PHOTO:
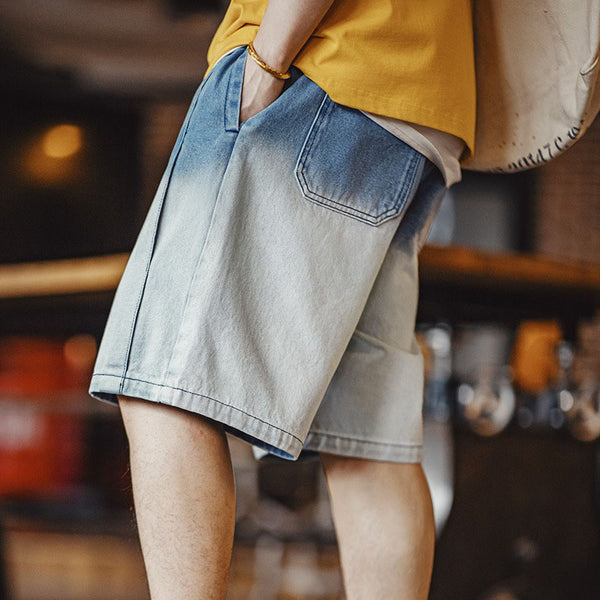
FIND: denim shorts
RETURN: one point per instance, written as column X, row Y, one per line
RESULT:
column 273, row 286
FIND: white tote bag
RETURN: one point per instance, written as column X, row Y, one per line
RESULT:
column 537, row 80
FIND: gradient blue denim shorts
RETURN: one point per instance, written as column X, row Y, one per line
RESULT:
column 273, row 285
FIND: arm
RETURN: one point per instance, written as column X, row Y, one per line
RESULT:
column 284, row 29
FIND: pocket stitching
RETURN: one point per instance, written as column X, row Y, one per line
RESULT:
column 312, row 137
column 314, row 134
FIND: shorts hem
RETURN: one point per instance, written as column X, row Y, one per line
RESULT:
column 105, row 386
column 367, row 449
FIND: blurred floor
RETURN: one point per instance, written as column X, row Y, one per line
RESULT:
column 48, row 566
column 272, row 570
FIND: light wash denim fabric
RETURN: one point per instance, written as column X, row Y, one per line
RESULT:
column 273, row 286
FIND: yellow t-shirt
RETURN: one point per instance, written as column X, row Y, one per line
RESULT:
column 406, row 59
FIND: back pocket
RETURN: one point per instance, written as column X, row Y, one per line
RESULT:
column 352, row 165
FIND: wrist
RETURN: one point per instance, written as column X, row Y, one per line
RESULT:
column 272, row 53
column 265, row 66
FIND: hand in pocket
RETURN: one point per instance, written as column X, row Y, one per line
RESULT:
column 259, row 89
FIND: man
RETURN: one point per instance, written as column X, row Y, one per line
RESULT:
column 272, row 290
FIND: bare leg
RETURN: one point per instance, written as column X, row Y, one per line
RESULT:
column 385, row 527
column 184, row 499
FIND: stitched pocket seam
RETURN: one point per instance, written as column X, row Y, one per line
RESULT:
column 399, row 198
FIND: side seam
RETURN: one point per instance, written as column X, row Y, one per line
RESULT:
column 169, row 171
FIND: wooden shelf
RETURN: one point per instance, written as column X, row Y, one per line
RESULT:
column 458, row 265
column 462, row 284
column 57, row 277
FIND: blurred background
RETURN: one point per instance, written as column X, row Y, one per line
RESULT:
column 94, row 92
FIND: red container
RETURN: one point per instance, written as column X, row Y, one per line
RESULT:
column 40, row 442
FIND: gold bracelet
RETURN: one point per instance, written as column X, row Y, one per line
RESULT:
column 258, row 60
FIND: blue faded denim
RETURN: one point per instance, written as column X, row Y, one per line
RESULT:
column 273, row 286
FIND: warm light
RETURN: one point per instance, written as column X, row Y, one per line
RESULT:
column 62, row 141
